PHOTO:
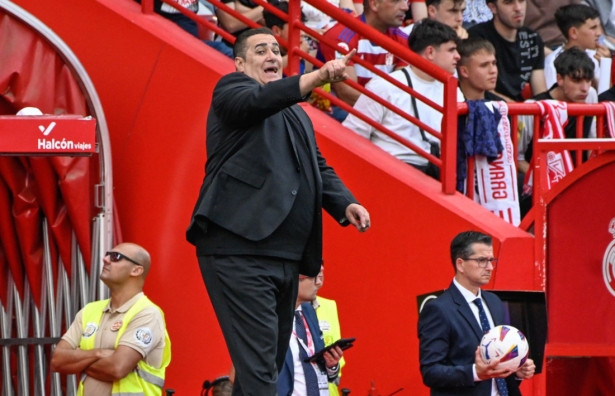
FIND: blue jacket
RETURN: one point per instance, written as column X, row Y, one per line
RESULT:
column 286, row 378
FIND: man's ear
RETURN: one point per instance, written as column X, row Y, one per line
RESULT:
column 463, row 71
column 493, row 8
column 239, row 64
column 431, row 11
column 429, row 52
column 373, row 5
column 560, row 80
column 137, row 270
column 573, row 33
column 276, row 30
column 458, row 265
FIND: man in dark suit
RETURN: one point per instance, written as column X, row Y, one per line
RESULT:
column 450, row 328
column 257, row 223
column 297, row 376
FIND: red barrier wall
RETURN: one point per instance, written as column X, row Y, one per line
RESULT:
column 155, row 84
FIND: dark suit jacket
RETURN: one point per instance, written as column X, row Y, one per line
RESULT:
column 448, row 336
column 286, row 378
column 252, row 173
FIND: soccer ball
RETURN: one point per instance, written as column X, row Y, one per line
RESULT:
column 507, row 343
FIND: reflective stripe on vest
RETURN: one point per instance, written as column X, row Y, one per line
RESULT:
column 145, row 380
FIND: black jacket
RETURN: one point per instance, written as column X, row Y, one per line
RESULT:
column 252, row 173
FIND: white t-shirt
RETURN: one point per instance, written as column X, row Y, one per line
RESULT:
column 433, row 90
column 551, row 74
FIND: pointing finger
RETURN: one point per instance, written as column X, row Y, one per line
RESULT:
column 349, row 56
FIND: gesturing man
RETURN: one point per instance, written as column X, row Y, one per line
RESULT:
column 450, row 328
column 120, row 344
column 257, row 223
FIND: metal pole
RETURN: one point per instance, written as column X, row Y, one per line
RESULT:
column 22, row 332
column 5, row 327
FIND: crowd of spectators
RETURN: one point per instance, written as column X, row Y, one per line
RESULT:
column 498, row 49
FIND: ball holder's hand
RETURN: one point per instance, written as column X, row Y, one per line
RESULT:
column 486, row 371
column 334, row 71
column 527, row 370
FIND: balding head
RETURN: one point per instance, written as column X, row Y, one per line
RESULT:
column 138, row 254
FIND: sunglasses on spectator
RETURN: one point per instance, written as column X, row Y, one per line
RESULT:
column 117, row 256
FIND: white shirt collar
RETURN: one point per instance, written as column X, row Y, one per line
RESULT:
column 467, row 295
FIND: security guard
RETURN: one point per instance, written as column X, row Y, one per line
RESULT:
column 121, row 344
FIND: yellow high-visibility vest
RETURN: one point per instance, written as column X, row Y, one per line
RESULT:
column 329, row 324
column 144, row 380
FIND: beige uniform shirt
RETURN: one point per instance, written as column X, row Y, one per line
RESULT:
column 144, row 334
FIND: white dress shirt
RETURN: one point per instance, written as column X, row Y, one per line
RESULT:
column 470, row 297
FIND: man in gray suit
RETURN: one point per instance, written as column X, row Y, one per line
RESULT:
column 257, row 222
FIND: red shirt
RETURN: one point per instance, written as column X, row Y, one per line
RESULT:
column 366, row 50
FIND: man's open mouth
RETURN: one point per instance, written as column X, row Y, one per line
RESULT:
column 271, row 69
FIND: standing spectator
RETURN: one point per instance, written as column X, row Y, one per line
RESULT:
column 386, row 16
column 436, row 43
column 257, row 222
column 298, row 377
column 329, row 323
column 448, row 12
column 540, row 18
column 580, row 24
column 452, row 325
column 120, row 344
column 520, row 51
column 478, row 69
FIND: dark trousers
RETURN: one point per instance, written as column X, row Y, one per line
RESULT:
column 254, row 299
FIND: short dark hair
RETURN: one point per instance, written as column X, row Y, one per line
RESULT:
column 574, row 63
column 574, row 15
column 430, row 33
column 240, row 47
column 436, row 3
column 272, row 20
column 490, row 1
column 472, row 45
column 461, row 246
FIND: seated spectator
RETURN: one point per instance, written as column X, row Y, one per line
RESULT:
column 318, row 20
column 520, row 51
column 575, row 72
column 280, row 28
column 177, row 17
column 436, row 43
column 581, row 27
column 448, row 12
column 476, row 12
column 607, row 17
column 540, row 18
column 386, row 16
column 247, row 8
column 477, row 69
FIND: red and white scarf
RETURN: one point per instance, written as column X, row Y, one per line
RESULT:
column 497, row 181
column 610, row 118
column 554, row 118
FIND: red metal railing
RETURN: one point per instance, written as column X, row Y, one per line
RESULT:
column 449, row 119
column 450, row 109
